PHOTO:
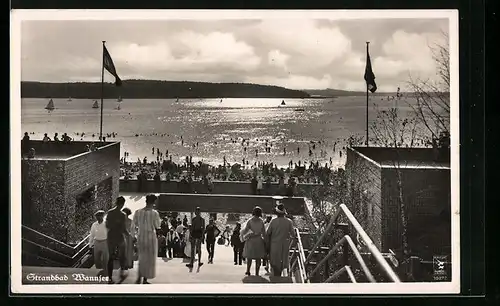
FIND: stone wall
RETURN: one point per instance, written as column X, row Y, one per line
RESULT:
column 226, row 203
column 426, row 193
column 50, row 188
column 84, row 172
column 43, row 207
column 220, row 187
column 364, row 199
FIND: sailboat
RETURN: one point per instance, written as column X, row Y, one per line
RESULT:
column 50, row 105
column 118, row 106
column 96, row 104
column 69, row 99
column 119, row 99
column 283, row 102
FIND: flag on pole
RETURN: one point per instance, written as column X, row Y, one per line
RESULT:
column 110, row 67
column 369, row 75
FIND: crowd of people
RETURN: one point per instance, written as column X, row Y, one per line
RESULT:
column 260, row 173
column 116, row 236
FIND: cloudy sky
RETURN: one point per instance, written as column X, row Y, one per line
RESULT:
column 294, row 53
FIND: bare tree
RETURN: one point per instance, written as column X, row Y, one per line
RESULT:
column 431, row 105
column 391, row 130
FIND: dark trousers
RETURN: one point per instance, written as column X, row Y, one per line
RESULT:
column 116, row 249
column 238, row 254
column 162, row 251
column 210, row 249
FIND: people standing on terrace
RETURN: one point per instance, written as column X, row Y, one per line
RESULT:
column 46, row 138
column 145, row 223
column 116, row 222
column 56, row 137
column 197, row 235
column 66, row 138
column 253, row 235
column 98, row 240
column 237, row 245
column 253, row 184
column 259, row 185
column 25, row 143
column 129, row 241
column 26, row 137
column 278, row 237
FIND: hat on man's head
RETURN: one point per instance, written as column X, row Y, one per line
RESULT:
column 150, row 198
column 120, row 200
column 100, row 212
column 280, row 209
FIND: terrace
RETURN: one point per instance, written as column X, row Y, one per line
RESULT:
column 420, row 158
column 61, row 151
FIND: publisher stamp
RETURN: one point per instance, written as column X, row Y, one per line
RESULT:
column 439, row 266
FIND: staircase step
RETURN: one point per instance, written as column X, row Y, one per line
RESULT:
column 168, row 271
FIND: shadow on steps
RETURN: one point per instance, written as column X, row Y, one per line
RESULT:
column 252, row 279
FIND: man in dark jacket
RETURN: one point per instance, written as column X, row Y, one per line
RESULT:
column 211, row 232
column 116, row 221
column 237, row 245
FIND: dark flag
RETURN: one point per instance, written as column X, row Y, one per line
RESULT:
column 110, row 67
column 369, row 76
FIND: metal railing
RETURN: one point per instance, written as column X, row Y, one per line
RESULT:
column 298, row 258
column 39, row 247
column 347, row 245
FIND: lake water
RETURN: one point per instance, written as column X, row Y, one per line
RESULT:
column 217, row 126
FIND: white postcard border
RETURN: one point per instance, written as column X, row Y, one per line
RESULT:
column 17, row 16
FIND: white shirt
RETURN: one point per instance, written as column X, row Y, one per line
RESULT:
column 171, row 236
column 180, row 229
column 98, row 231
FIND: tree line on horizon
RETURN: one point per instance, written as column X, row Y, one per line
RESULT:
column 149, row 89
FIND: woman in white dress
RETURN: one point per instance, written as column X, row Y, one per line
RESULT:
column 187, row 241
column 145, row 223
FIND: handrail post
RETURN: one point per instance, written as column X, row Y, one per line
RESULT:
column 327, row 268
column 369, row 243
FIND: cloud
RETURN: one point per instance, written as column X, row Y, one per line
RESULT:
column 189, row 51
column 310, row 45
column 296, row 53
column 277, row 58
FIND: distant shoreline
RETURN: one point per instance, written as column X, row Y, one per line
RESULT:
column 151, row 89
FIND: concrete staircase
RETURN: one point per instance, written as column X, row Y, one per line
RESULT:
column 168, row 271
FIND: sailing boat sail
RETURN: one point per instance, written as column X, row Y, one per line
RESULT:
column 50, row 105
column 118, row 106
column 119, row 99
column 96, row 104
column 69, row 99
column 283, row 102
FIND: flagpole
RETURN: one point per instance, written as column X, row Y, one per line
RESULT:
column 367, row 98
column 102, row 90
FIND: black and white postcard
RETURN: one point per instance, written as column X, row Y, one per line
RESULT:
column 273, row 152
